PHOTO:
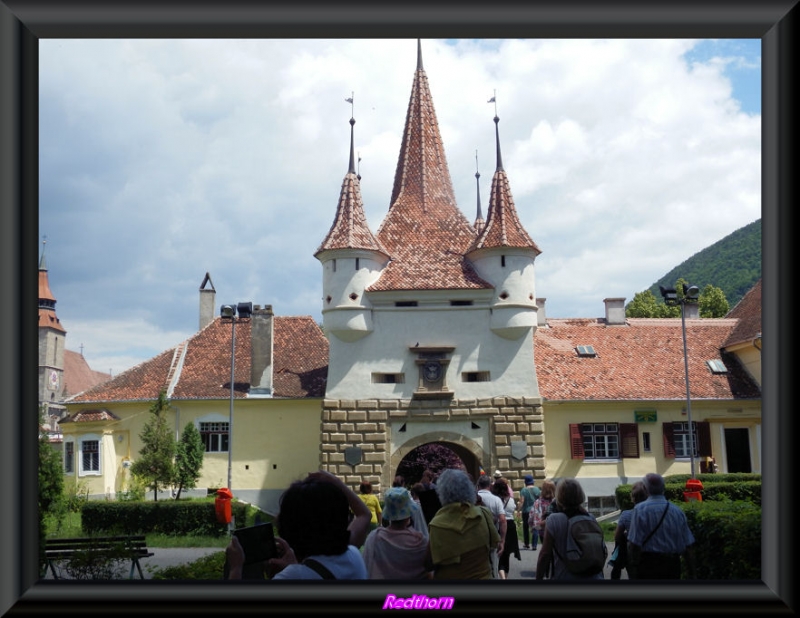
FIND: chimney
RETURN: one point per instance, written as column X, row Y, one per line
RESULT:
column 541, row 318
column 691, row 311
column 207, row 299
column 261, row 328
column 615, row 311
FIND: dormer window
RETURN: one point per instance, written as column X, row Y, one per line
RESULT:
column 586, row 351
column 717, row 366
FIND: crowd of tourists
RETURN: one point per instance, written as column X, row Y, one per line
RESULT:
column 450, row 527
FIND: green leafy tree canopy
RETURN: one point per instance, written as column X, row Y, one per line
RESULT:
column 155, row 466
column 188, row 459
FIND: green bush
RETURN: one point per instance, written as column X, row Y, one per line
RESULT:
column 720, row 487
column 727, row 539
column 170, row 517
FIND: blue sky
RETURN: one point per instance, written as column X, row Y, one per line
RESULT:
column 161, row 160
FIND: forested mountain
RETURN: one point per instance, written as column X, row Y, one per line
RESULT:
column 732, row 264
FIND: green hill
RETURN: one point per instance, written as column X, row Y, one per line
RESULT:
column 732, row 264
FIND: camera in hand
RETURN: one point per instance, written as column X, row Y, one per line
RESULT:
column 258, row 543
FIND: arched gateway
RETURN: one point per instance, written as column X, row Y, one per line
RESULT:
column 367, row 440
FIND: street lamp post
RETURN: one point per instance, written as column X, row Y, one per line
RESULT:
column 245, row 310
column 690, row 295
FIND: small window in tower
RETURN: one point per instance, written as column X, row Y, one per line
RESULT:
column 334, row 265
column 502, row 261
column 388, row 378
column 353, row 296
column 328, row 299
column 358, row 263
column 405, row 303
column 460, row 303
column 503, row 295
column 475, row 376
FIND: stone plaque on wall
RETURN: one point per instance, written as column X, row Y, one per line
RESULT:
column 519, row 450
column 352, row 455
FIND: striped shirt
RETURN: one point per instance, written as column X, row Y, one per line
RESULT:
column 673, row 536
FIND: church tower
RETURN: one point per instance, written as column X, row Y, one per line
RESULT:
column 52, row 338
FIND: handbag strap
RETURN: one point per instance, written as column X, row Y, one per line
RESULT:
column 320, row 568
column 658, row 525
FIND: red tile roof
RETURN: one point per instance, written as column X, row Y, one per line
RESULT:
column 503, row 227
column 89, row 416
column 300, row 365
column 424, row 231
column 748, row 311
column 350, row 229
column 78, row 376
column 642, row 360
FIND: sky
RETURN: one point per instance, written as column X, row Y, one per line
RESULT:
column 164, row 160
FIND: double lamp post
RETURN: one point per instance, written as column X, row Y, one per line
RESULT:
column 690, row 296
column 245, row 311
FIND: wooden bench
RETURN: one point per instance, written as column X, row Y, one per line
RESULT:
column 131, row 546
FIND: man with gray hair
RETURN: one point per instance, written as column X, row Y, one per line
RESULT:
column 659, row 535
column 498, row 511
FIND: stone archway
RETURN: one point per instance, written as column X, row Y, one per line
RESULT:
column 470, row 452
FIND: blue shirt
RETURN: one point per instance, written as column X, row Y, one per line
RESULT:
column 673, row 536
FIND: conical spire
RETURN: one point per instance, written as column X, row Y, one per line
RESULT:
column 503, row 227
column 350, row 229
column 424, row 231
column 47, row 302
column 479, row 220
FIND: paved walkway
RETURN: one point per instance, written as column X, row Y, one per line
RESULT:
column 167, row 557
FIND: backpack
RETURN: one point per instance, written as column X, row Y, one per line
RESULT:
column 536, row 516
column 586, row 546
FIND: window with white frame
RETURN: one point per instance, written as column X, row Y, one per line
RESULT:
column 600, row 440
column 684, row 440
column 90, row 456
column 69, row 457
column 215, row 436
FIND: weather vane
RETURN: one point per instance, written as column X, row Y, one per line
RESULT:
column 494, row 100
column 350, row 101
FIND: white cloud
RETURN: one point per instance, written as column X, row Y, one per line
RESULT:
column 164, row 160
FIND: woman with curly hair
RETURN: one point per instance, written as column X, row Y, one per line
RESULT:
column 462, row 534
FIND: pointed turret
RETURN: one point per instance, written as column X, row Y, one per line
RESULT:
column 47, row 302
column 479, row 220
column 424, row 231
column 352, row 258
column 503, row 253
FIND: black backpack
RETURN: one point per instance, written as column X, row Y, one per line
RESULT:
column 586, row 546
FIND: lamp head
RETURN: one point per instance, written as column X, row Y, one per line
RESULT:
column 669, row 294
column 690, row 292
column 245, row 310
column 227, row 311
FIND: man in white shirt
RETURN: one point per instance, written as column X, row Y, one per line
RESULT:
column 495, row 506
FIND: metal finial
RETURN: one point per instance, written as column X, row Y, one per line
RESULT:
column 479, row 216
column 494, row 100
column 352, row 168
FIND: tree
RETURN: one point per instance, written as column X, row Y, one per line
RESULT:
column 711, row 304
column 155, row 466
column 188, row 459
column 50, row 488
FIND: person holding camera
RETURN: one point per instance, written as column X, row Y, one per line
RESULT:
column 316, row 540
